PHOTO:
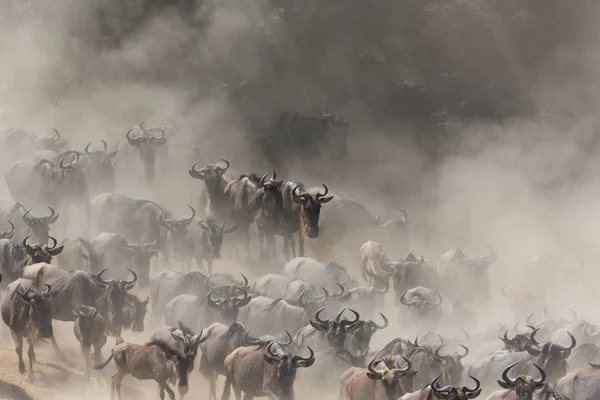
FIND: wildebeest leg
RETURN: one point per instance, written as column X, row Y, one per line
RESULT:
column 246, row 238
column 18, row 338
column 85, row 351
column 270, row 245
column 164, row 387
column 60, row 354
column 117, row 382
column 250, row 397
column 31, row 355
column 300, row 244
column 213, row 385
column 261, row 243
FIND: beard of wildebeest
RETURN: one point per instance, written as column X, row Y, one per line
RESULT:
column 146, row 146
column 40, row 226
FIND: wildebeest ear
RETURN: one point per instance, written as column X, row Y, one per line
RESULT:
column 56, row 251
column 298, row 200
column 472, row 395
column 326, row 199
column 504, row 385
column 375, row 377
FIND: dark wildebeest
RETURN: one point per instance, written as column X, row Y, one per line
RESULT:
column 359, row 339
column 431, row 363
column 581, row 384
column 177, row 234
column 27, row 313
column 134, row 312
column 347, row 224
column 16, row 256
column 523, row 387
column 264, row 370
column 422, row 302
column 204, row 241
column 89, row 330
column 213, row 199
column 324, row 333
column 153, row 361
column 146, row 146
column 448, row 392
column 549, row 356
column 98, row 169
column 249, row 195
column 519, row 342
column 39, row 227
column 381, row 380
column 466, row 277
column 300, row 214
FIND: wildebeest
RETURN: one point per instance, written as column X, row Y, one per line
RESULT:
column 134, row 312
column 270, row 285
column 178, row 233
column 409, row 273
column 89, row 330
column 16, row 256
column 466, row 277
column 448, row 392
column 264, row 370
column 548, row 325
column 324, row 333
column 146, row 146
column 12, row 211
column 27, row 314
column 422, row 302
column 40, row 226
column 300, row 214
column 523, row 387
column 250, row 194
column 431, row 363
column 581, row 384
column 316, row 273
column 582, row 355
column 381, row 380
column 154, row 360
column 213, row 200
column 98, row 169
column 519, row 342
column 204, row 241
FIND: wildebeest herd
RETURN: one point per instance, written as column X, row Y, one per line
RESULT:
column 308, row 322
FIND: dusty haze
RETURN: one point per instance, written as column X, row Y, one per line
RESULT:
column 496, row 146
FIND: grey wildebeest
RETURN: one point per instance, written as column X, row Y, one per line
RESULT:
column 581, row 384
column 89, row 330
column 177, row 234
column 316, row 273
column 422, row 302
column 522, row 387
column 44, row 183
column 300, row 214
column 12, row 212
column 153, row 361
column 204, row 241
column 264, row 370
column 98, row 169
column 249, row 195
column 466, row 277
column 449, row 392
column 39, row 227
column 146, row 146
column 27, row 314
column 14, row 257
column 381, row 380
column 134, row 312
column 213, row 199
column 431, row 363
column 324, row 333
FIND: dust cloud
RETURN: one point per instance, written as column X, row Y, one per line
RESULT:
column 477, row 117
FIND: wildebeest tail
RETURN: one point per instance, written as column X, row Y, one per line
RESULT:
column 105, row 363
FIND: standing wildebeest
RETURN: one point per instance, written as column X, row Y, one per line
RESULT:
column 300, row 214
column 386, row 382
column 449, row 392
column 466, row 277
column 213, row 199
column 248, row 195
column 154, row 360
column 40, row 226
column 422, row 302
column 346, row 224
column 204, row 241
column 264, row 370
column 16, row 256
column 89, row 330
column 430, row 363
column 177, row 234
column 27, row 313
column 44, row 182
column 322, row 334
column 523, row 387
column 146, row 146
column 134, row 312
column 581, row 384
column 98, row 169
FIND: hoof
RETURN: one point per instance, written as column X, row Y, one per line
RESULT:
column 31, row 377
column 21, row 369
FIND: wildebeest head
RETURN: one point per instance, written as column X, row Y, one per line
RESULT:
column 184, row 359
column 335, row 330
column 451, row 393
column 451, row 364
column 140, row 258
column 40, row 226
column 212, row 175
column 42, row 253
column 547, row 324
column 394, row 223
column 228, row 299
column 361, row 338
column 99, row 166
column 420, row 302
column 390, row 375
column 311, row 302
column 146, row 146
column 285, row 364
column 519, row 342
column 404, row 273
column 67, row 180
column 178, row 230
column 8, row 234
column 310, row 209
column 39, row 311
column 215, row 235
column 369, row 294
column 134, row 312
column 54, row 142
column 84, row 321
column 269, row 193
column 551, row 357
column 253, row 341
column 522, row 385
column 116, row 291
column 337, row 132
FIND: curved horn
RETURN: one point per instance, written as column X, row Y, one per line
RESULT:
column 442, row 392
column 162, row 218
column 339, row 315
column 505, row 377
column 303, row 195
column 252, row 341
column 194, row 173
column 532, row 337
column 47, row 290
column 385, row 322
column 384, row 264
column 460, row 357
column 141, row 125
column 99, row 278
column 105, row 145
column 87, row 149
column 318, row 318
column 542, row 373
column 57, row 133
column 244, row 281
column 289, row 336
column 8, row 234
column 326, row 112
column 188, row 220
column 437, row 351
column 25, row 241
column 301, row 301
column 403, row 299
column 274, row 175
column 310, row 357
column 573, row 341
column 53, row 241
column 404, row 217
column 440, row 298
column 492, row 257
column 261, row 182
column 467, row 390
column 270, row 352
column 319, row 195
column 347, row 323
column 53, row 215
column 132, row 282
column 370, row 367
column 227, row 164
column 504, row 293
